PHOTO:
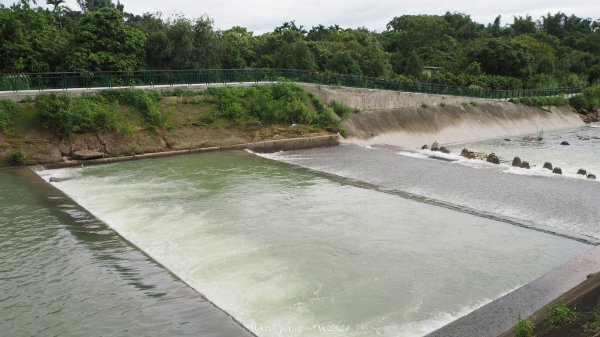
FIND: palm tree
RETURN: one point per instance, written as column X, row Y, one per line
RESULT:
column 54, row 3
column 26, row 2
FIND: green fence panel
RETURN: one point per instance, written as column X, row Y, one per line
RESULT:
column 42, row 81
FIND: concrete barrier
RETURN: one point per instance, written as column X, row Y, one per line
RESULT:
column 410, row 120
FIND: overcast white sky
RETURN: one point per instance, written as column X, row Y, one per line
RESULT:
column 264, row 15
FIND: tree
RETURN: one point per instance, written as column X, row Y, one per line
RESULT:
column 14, row 47
column 544, row 54
column 92, row 5
column 55, row 3
column 500, row 56
column 495, row 28
column 285, row 47
column 428, row 35
column 343, row 63
column 523, row 25
column 31, row 40
column 206, row 48
column 462, row 26
column 238, row 48
column 409, row 32
column 414, row 65
column 103, row 42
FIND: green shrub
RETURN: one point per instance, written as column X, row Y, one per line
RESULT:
column 475, row 81
column 18, row 157
column 14, row 82
column 539, row 101
column 66, row 115
column 579, row 102
column 8, row 112
column 56, row 114
column 284, row 103
column 342, row 110
column 145, row 101
column 589, row 99
column 559, row 314
column 524, row 327
column 592, row 328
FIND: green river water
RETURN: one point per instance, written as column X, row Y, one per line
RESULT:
column 287, row 251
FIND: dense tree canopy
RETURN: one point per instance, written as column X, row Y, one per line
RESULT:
column 555, row 50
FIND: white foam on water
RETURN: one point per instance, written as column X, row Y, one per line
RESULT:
column 413, row 154
column 542, row 172
column 536, row 170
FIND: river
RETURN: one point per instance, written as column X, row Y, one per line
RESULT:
column 342, row 242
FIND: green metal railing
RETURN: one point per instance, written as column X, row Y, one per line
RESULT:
column 45, row 81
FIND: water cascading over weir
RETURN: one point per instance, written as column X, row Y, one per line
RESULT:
column 410, row 120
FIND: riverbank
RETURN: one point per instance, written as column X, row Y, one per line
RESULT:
column 62, row 128
column 260, row 147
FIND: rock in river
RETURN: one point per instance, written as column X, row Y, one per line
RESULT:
column 516, row 162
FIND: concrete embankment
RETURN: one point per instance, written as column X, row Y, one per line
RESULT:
column 568, row 282
column 410, row 120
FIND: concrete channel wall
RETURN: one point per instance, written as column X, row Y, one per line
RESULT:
column 410, row 120
column 260, row 147
column 498, row 317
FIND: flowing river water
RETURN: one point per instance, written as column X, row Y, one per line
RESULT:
column 347, row 245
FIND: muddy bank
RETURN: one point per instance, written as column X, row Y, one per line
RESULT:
column 410, row 120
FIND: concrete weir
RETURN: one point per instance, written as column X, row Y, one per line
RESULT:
column 410, row 120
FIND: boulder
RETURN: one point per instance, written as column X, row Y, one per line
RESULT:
column 557, row 170
column 464, row 152
column 424, row 147
column 582, row 172
column 564, row 142
column 591, row 176
column 443, row 149
column 548, row 166
column 506, row 140
column 492, row 158
column 87, row 155
column 516, row 162
column 435, row 146
column 525, row 165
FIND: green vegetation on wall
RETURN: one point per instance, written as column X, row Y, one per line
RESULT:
column 524, row 327
column 8, row 112
column 123, row 110
column 542, row 101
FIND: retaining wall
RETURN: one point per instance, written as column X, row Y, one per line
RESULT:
column 410, row 120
